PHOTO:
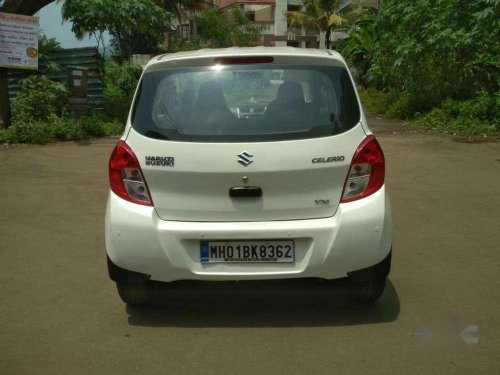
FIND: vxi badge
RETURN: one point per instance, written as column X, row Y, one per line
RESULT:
column 329, row 159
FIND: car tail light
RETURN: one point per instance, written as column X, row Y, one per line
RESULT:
column 125, row 176
column 367, row 171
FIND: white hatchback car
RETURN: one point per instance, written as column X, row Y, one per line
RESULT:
column 243, row 164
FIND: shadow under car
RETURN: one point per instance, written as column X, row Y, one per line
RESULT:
column 269, row 303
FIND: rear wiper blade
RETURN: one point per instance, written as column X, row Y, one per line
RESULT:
column 156, row 135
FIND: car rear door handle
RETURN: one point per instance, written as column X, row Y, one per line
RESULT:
column 245, row 192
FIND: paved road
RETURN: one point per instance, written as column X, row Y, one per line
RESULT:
column 59, row 313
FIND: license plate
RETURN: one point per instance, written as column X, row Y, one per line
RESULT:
column 247, row 251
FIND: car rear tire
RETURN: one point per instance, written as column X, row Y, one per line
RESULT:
column 367, row 291
column 134, row 294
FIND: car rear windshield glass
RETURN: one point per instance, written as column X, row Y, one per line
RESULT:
column 245, row 103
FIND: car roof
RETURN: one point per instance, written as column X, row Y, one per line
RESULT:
column 246, row 51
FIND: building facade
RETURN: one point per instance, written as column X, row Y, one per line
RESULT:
column 270, row 17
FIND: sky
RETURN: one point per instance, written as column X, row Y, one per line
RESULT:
column 51, row 24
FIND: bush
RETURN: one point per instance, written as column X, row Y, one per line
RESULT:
column 5, row 136
column 377, row 101
column 38, row 98
column 65, row 129
column 116, row 105
column 435, row 118
column 92, row 126
column 438, row 119
column 403, row 107
column 40, row 111
column 483, row 107
column 32, row 132
column 59, row 129
column 393, row 104
column 120, row 82
column 477, row 116
column 95, row 126
column 185, row 45
column 113, row 128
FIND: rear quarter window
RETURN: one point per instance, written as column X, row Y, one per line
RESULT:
column 245, row 103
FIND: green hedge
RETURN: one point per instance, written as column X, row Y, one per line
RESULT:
column 40, row 116
column 60, row 129
column 39, row 98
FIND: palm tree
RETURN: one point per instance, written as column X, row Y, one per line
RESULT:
column 326, row 15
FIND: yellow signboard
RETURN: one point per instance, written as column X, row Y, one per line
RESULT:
column 18, row 41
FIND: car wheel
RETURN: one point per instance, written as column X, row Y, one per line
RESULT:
column 367, row 291
column 134, row 294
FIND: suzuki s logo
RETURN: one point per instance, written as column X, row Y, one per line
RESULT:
column 245, row 158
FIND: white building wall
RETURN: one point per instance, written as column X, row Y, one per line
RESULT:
column 280, row 28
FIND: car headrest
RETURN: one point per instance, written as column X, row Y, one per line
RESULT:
column 290, row 92
column 211, row 96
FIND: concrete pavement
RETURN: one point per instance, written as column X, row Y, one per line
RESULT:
column 59, row 312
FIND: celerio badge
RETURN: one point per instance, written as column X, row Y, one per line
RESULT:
column 329, row 159
column 160, row 161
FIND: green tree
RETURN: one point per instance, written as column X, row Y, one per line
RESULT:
column 437, row 49
column 120, row 82
column 130, row 22
column 47, row 45
column 326, row 15
column 26, row 7
column 181, row 8
column 219, row 30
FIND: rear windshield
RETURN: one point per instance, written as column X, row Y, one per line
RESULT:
column 245, row 103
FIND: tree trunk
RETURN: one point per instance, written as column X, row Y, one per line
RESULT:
column 322, row 39
column 119, row 39
column 4, row 99
column 28, row 8
column 327, row 37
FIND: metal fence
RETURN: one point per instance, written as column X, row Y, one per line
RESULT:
column 81, row 57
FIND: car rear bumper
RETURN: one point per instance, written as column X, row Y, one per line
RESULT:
column 358, row 236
